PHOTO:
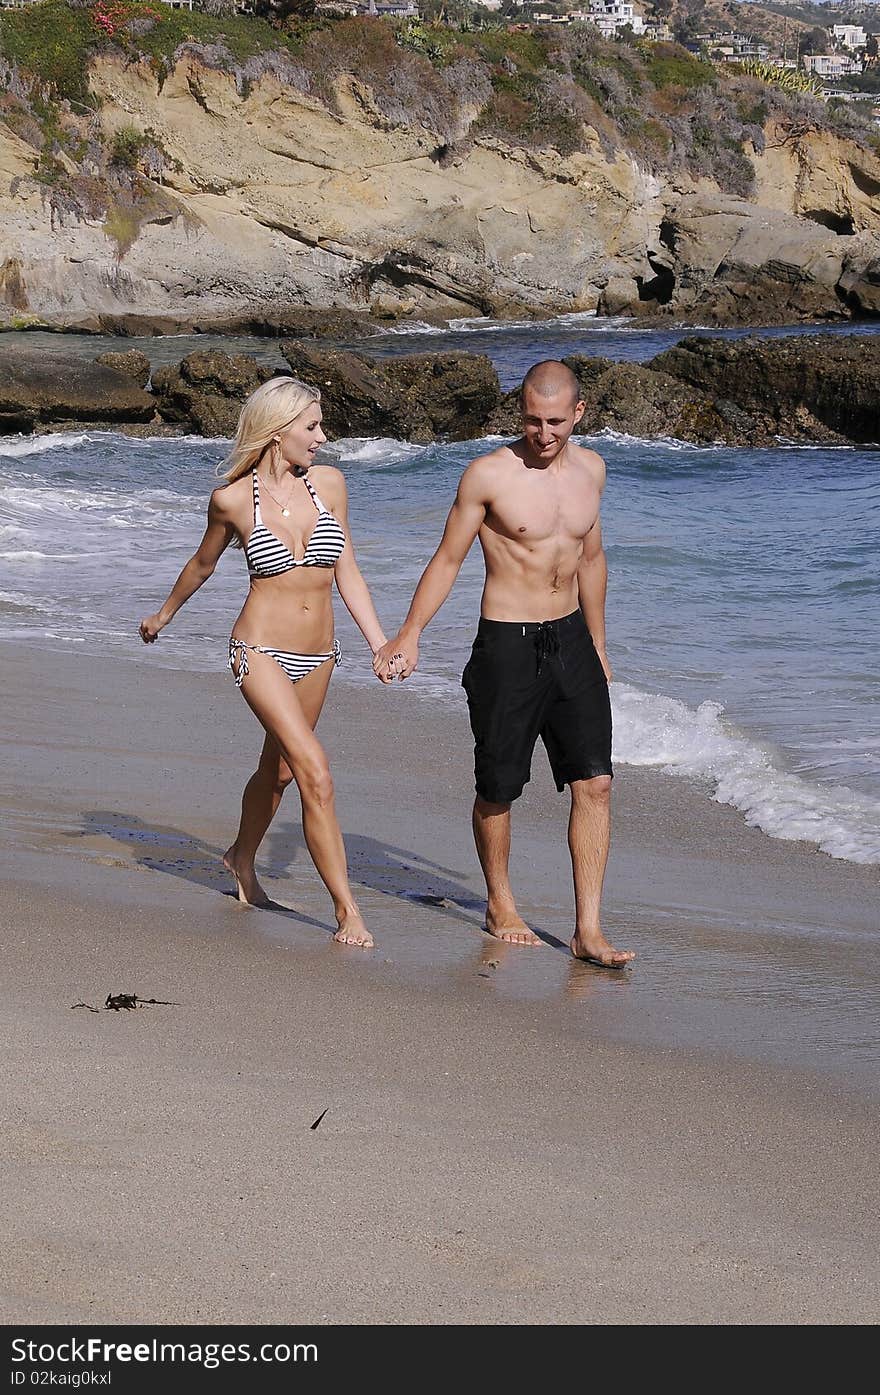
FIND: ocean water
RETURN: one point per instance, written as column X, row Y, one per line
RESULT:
column 743, row 615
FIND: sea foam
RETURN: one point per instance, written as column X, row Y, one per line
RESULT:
column 650, row 729
column 15, row 447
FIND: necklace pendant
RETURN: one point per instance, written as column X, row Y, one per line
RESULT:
column 285, row 513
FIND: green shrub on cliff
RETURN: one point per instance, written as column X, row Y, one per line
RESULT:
column 52, row 43
column 126, row 147
column 668, row 65
column 539, row 88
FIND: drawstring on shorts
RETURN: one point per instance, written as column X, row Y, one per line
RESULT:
column 546, row 642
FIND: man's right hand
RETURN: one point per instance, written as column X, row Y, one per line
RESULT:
column 398, row 658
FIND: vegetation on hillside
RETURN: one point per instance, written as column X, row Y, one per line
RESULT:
column 536, row 88
column 823, row 15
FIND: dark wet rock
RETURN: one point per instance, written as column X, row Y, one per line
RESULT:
column 258, row 320
column 419, row 397
column 300, row 321
column 638, row 401
column 133, row 364
column 816, row 388
column 39, row 387
column 587, row 370
column 125, row 326
column 505, row 420
column 356, row 398
column 207, row 390
column 444, row 395
column 17, row 423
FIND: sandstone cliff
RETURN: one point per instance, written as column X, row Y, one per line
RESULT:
column 272, row 200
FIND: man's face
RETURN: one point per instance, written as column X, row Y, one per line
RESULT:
column 549, row 421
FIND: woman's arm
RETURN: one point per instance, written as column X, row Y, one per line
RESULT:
column 217, row 537
column 349, row 582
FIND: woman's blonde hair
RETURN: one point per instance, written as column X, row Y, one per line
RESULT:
column 267, row 411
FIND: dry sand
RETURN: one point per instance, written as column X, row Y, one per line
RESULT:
column 510, row 1137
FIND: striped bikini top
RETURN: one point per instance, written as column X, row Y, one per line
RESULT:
column 267, row 555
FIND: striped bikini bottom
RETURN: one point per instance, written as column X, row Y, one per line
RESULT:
column 296, row 666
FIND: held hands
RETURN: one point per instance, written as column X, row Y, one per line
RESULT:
column 398, row 658
column 149, row 629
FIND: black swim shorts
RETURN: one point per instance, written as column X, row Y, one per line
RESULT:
column 526, row 681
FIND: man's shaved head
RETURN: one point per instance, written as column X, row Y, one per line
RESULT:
column 549, row 378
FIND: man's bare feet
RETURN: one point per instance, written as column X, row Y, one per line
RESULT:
column 250, row 893
column 595, row 949
column 509, row 927
column 352, row 931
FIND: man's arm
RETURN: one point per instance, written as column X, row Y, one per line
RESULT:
column 462, row 526
column 593, row 575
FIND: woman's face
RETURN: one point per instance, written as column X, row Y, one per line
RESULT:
column 303, row 437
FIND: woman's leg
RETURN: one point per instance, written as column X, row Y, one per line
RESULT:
column 259, row 804
column 264, row 790
column 276, row 703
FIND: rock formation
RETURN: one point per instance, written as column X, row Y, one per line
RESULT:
column 821, row 389
column 43, row 389
column 273, row 206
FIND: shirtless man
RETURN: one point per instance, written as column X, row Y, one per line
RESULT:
column 538, row 665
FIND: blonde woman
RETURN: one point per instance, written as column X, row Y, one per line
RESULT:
column 290, row 516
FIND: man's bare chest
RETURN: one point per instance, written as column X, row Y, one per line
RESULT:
column 536, row 517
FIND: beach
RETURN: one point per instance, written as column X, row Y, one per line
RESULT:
column 510, row 1137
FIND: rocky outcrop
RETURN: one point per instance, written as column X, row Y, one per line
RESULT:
column 132, row 363
column 728, row 262
column 632, row 399
column 40, row 388
column 821, row 389
column 206, row 390
column 806, row 247
column 636, row 400
column 269, row 322
column 860, row 282
column 284, row 206
column 818, row 388
column 419, row 397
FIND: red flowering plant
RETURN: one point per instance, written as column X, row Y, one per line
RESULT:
column 109, row 16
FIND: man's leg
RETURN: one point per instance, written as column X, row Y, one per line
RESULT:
column 589, row 831
column 492, row 837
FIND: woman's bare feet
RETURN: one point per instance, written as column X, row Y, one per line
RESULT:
column 595, row 949
column 352, row 930
column 250, row 893
column 509, row 927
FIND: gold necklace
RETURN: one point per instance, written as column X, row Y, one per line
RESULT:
column 285, row 511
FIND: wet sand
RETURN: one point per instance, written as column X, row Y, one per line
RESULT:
column 510, row 1136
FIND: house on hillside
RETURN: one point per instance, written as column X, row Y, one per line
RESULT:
column 658, row 31
column 611, row 15
column 391, row 9
column 850, row 36
column 831, row 65
column 385, row 9
column 608, row 16
column 726, row 43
